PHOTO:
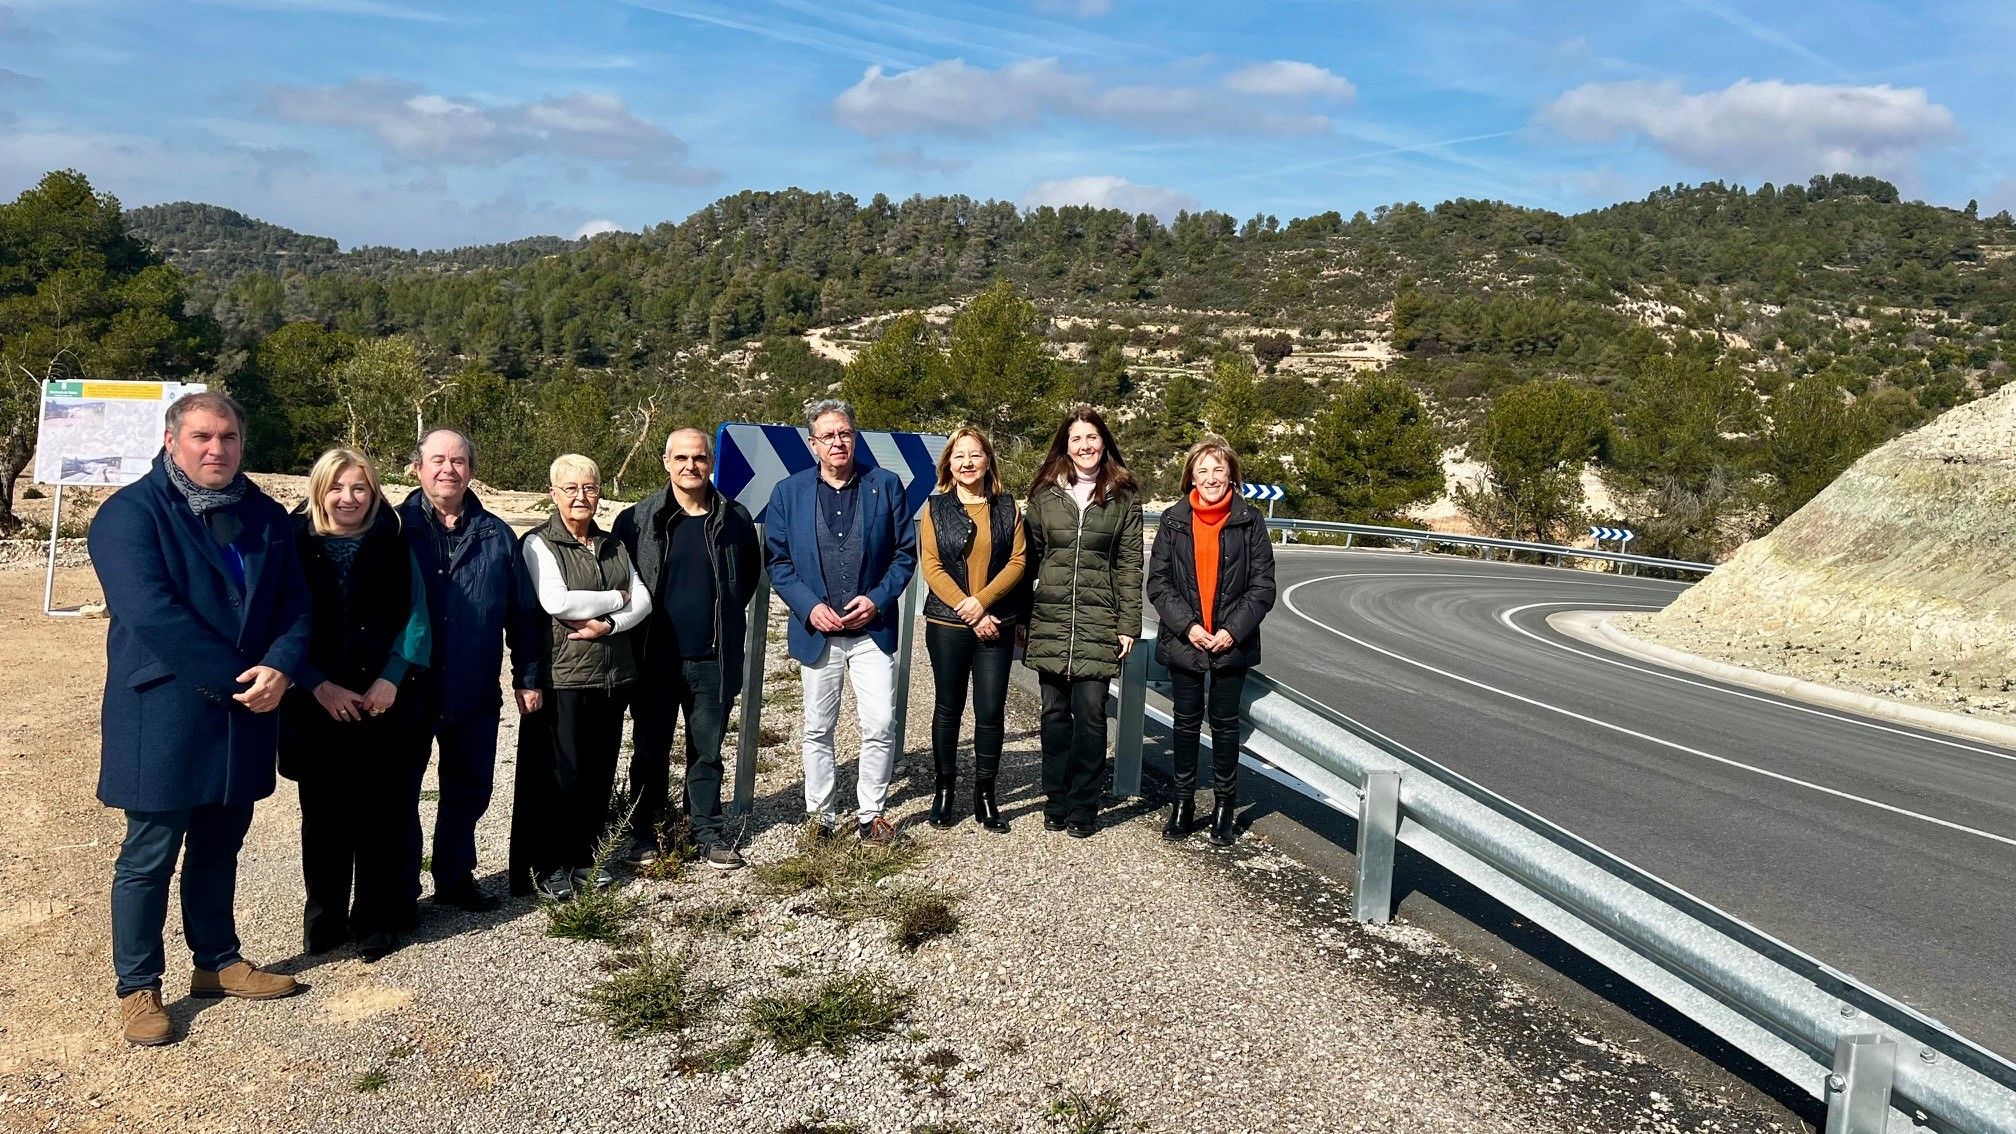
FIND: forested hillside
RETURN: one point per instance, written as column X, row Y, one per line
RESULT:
column 1715, row 353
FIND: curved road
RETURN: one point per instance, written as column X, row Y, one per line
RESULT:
column 1883, row 850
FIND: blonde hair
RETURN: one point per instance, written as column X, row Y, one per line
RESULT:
column 1211, row 445
column 322, row 477
column 990, row 485
column 572, row 462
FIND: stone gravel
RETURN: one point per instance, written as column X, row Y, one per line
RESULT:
column 1203, row 988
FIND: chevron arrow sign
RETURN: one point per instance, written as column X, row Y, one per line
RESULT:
column 1268, row 492
column 749, row 460
column 1621, row 535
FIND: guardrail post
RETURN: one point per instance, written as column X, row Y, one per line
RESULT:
column 749, row 733
column 1350, row 538
column 1130, row 721
column 1378, row 830
column 1858, row 1091
column 906, row 631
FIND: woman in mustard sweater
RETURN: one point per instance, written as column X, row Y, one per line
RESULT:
column 971, row 551
column 1212, row 581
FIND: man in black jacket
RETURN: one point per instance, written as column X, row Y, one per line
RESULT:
column 697, row 552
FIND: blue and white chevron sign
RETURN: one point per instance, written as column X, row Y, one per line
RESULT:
column 1621, row 535
column 749, row 460
column 1268, row 492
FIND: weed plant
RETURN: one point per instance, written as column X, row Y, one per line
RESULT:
column 650, row 991
column 715, row 1059
column 861, row 1007
column 598, row 913
column 1080, row 1113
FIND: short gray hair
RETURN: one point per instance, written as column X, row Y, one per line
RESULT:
column 575, row 463
column 468, row 446
column 706, row 439
column 208, row 401
column 823, row 406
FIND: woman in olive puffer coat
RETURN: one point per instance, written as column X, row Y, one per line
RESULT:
column 1083, row 527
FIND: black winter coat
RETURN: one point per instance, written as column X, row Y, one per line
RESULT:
column 737, row 562
column 1245, row 588
column 357, row 626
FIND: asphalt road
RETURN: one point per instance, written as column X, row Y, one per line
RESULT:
column 1885, row 851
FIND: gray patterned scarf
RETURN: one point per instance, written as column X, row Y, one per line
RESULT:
column 205, row 500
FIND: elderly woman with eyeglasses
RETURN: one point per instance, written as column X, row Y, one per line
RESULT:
column 567, row 750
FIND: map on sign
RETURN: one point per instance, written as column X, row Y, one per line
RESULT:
column 102, row 432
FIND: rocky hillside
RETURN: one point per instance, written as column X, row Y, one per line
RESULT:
column 1900, row 578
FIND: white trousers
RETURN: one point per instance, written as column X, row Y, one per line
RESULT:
column 874, row 674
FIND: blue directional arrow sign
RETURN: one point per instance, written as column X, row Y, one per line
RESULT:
column 1267, row 492
column 749, row 460
column 1621, row 535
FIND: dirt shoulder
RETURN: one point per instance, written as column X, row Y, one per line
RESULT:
column 1120, row 968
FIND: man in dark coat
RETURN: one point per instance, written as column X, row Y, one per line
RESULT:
column 478, row 599
column 210, row 624
column 697, row 553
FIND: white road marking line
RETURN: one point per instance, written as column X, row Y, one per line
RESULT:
column 1863, row 722
column 1288, row 600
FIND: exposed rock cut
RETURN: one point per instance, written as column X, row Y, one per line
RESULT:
column 1898, row 579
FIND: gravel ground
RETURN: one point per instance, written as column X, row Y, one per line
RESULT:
column 1200, row 987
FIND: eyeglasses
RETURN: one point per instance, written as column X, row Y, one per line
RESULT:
column 579, row 491
column 841, row 439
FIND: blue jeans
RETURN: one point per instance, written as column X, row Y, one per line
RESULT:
column 207, row 840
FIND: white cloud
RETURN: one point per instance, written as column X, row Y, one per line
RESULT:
column 356, row 209
column 1285, row 78
column 1768, row 128
column 413, row 124
column 1082, row 8
column 915, row 160
column 950, row 97
column 597, row 227
column 1108, row 192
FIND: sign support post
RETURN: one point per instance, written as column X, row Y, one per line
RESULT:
column 49, row 574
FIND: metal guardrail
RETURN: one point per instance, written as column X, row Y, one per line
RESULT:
column 1879, row 1066
column 1422, row 540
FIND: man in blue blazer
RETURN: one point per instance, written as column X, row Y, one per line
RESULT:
column 209, row 615
column 841, row 545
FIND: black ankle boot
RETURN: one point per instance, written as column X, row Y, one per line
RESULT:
column 985, row 811
column 1182, row 816
column 942, row 813
column 1222, row 806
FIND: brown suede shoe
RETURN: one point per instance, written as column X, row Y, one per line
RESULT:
column 141, row 1019
column 244, row 980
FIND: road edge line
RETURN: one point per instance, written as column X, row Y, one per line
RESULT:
column 1595, row 628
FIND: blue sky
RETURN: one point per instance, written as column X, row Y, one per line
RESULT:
column 439, row 122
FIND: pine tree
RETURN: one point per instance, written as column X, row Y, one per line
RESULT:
column 1374, row 454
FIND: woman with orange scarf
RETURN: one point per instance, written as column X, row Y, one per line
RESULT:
column 1212, row 581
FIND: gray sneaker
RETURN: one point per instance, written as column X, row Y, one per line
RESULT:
column 556, row 884
column 641, row 852
column 721, row 856
column 591, row 878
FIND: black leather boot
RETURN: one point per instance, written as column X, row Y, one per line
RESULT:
column 943, row 815
column 1182, row 816
column 986, row 769
column 1222, row 807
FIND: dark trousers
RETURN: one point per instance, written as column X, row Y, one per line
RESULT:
column 207, row 840
column 1074, row 746
column 959, row 660
column 1193, row 706
column 467, row 768
column 365, row 826
column 688, row 689
column 566, row 770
